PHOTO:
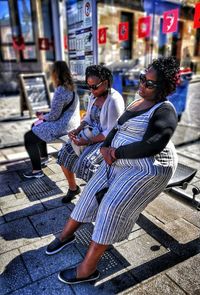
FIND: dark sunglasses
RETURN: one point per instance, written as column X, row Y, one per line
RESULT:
column 94, row 87
column 147, row 83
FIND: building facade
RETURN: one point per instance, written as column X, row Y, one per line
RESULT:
column 34, row 33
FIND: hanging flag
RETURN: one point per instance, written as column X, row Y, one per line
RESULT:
column 123, row 31
column 102, row 35
column 170, row 21
column 144, row 26
column 43, row 43
column 65, row 42
column 18, row 43
column 197, row 16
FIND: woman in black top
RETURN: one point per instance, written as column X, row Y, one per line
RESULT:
column 139, row 160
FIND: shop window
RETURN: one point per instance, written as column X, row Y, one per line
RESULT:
column 126, row 46
column 48, row 28
column 20, row 25
column 7, row 51
column 26, row 29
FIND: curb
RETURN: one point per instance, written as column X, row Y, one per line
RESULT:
column 22, row 159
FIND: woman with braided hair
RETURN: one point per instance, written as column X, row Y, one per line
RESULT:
column 104, row 108
column 139, row 160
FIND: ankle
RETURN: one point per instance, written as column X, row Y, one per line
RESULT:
column 84, row 271
column 73, row 187
column 64, row 237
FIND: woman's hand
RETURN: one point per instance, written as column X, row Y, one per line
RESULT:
column 73, row 133
column 79, row 141
column 40, row 115
column 108, row 154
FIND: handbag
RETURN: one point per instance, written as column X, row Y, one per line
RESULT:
column 86, row 133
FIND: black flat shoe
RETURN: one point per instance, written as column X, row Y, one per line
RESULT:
column 69, row 276
column 70, row 195
column 56, row 245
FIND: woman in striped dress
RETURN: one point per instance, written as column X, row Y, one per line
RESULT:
column 139, row 160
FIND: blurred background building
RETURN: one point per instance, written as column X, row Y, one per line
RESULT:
column 124, row 35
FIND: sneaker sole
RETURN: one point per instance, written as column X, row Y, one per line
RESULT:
column 38, row 176
column 78, row 282
column 58, row 250
column 45, row 163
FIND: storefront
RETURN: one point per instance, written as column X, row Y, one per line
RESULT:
column 120, row 34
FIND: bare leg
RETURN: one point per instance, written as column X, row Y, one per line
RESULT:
column 69, row 229
column 70, row 178
column 89, row 264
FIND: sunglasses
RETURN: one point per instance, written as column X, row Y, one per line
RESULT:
column 147, row 83
column 94, row 87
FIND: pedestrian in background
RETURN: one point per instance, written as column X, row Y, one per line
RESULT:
column 104, row 108
column 64, row 116
column 139, row 160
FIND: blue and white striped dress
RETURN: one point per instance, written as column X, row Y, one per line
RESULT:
column 133, row 184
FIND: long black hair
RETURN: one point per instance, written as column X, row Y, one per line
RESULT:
column 101, row 72
column 167, row 69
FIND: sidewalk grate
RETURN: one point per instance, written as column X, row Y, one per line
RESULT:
column 39, row 188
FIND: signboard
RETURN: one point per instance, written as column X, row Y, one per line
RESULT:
column 123, row 31
column 34, row 93
column 82, row 36
column 144, row 27
column 170, row 21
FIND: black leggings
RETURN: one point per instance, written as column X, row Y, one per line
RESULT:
column 36, row 148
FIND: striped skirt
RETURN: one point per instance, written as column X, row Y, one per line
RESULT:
column 85, row 165
column 133, row 184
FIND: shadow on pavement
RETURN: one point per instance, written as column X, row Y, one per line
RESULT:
column 117, row 274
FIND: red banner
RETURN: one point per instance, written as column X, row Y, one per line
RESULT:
column 102, row 35
column 65, row 42
column 197, row 16
column 18, row 43
column 144, row 27
column 123, row 31
column 43, row 43
column 170, row 21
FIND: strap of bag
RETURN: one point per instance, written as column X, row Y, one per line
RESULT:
column 69, row 104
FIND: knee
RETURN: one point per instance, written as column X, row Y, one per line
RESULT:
column 28, row 138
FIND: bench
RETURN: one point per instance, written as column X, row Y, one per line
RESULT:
column 181, row 179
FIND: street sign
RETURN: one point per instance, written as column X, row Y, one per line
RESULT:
column 34, row 93
column 82, row 36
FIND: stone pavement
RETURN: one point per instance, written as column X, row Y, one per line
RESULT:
column 161, row 255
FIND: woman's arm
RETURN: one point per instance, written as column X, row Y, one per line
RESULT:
column 58, row 103
column 109, row 137
column 159, row 131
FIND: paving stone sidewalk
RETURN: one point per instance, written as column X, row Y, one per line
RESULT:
column 161, row 255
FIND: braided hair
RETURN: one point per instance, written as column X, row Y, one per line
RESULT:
column 167, row 69
column 99, row 71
